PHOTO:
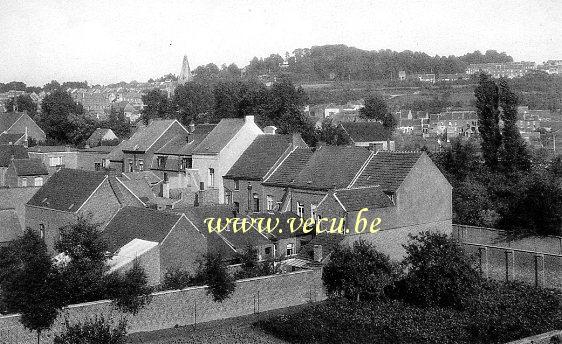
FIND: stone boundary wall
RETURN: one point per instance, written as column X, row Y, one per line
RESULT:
column 186, row 307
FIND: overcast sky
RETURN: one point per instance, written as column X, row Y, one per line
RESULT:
column 110, row 41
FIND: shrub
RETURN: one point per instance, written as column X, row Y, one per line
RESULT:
column 129, row 291
column 220, row 283
column 358, row 272
column 176, row 279
column 96, row 331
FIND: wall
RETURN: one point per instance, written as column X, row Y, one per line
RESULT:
column 69, row 159
column 306, row 198
column 182, row 247
column 88, row 160
column 188, row 306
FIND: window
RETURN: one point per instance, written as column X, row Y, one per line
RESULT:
column 290, row 249
column 269, row 202
column 97, row 166
column 141, row 165
column 278, row 207
column 38, row 181
column 300, row 210
column 236, row 185
column 186, row 163
column 228, row 198
column 55, row 161
column 201, row 186
column 24, row 182
column 267, row 251
column 211, row 177
column 42, row 231
column 236, row 207
column 256, row 202
column 130, row 165
column 161, row 161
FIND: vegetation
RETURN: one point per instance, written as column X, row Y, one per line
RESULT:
column 129, row 291
column 377, row 109
column 251, row 266
column 219, row 282
column 93, row 331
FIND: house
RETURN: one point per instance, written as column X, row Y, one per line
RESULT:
column 369, row 134
column 10, row 227
column 242, row 183
column 16, row 199
column 163, row 240
column 55, row 157
column 139, row 150
column 69, row 194
column 427, row 78
column 101, row 136
column 93, row 158
column 217, row 153
column 7, row 154
column 331, row 110
column 25, row 173
column 21, row 123
column 13, row 139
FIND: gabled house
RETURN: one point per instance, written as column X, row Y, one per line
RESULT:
column 161, row 241
column 55, row 157
column 21, row 123
column 217, row 153
column 139, row 150
column 243, row 182
column 26, row 173
column 7, row 154
column 369, row 134
column 69, row 194
column 101, row 136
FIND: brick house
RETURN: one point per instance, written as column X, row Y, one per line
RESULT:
column 69, row 194
column 217, row 153
column 21, row 123
column 369, row 134
column 243, row 182
column 26, row 173
column 7, row 154
column 55, row 157
column 176, row 241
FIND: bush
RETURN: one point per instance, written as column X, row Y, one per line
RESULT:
column 251, row 266
column 177, row 279
column 97, row 331
column 129, row 291
column 439, row 273
column 219, row 282
column 358, row 272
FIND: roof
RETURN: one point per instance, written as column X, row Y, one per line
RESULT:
column 10, row 226
column 99, row 149
column 328, row 242
column 140, row 188
column 16, row 198
column 7, row 119
column 387, row 169
column 366, row 131
column 370, row 197
column 30, row 167
column 7, row 138
column 7, row 151
column 67, row 189
column 289, row 168
column 220, row 136
column 145, row 137
column 128, row 253
column 138, row 223
column 149, row 176
column 180, row 145
column 52, row 149
column 98, row 134
column 259, row 157
column 116, row 154
column 331, row 167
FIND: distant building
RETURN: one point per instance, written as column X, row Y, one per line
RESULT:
column 402, row 75
column 426, row 78
column 369, row 134
column 502, row 70
column 185, row 74
column 99, row 136
column 7, row 154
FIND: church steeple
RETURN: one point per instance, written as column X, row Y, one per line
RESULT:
column 185, row 75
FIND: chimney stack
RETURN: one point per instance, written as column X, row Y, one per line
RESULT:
column 270, row 130
column 249, row 119
column 317, row 253
column 191, row 128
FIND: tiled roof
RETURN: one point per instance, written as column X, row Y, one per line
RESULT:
column 387, row 169
column 10, row 226
column 259, row 157
column 371, row 197
column 140, row 188
column 144, row 138
column 98, row 135
column 220, row 136
column 6, row 138
column 116, row 154
column 331, row 167
column 7, row 119
column 67, row 189
column 149, row 176
column 138, row 223
column 99, row 149
column 30, row 167
column 366, row 131
column 289, row 168
column 16, row 198
column 7, row 151
column 180, row 145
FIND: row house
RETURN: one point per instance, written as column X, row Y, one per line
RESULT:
column 502, row 70
column 455, row 123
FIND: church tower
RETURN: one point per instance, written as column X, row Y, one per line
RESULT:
column 185, row 75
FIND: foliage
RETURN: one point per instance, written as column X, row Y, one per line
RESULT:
column 93, row 331
column 30, row 283
column 118, row 123
column 377, row 109
column 191, row 100
column 251, row 266
column 487, row 103
column 438, row 272
column 176, row 279
column 219, row 282
column 359, row 272
column 22, row 103
column 63, row 119
column 156, row 105
column 332, row 134
column 129, row 291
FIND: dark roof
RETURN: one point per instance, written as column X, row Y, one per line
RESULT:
column 387, row 169
column 328, row 242
column 6, row 138
column 185, row 144
column 7, row 119
column 259, row 157
column 7, row 151
column 371, row 197
column 99, row 149
column 366, row 131
column 289, row 168
column 220, row 136
column 10, row 226
column 30, row 167
column 67, row 189
column 331, row 167
column 16, row 198
column 138, row 223
column 145, row 137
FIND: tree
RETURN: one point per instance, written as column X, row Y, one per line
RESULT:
column 176, row 279
column 61, row 117
column 22, row 103
column 118, row 123
column 332, row 134
column 219, row 282
column 377, row 109
column 156, row 105
column 52, row 86
column 191, row 100
column 358, row 272
column 129, row 291
column 30, row 285
column 487, row 102
column 93, row 331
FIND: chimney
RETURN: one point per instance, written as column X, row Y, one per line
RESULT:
column 191, row 127
column 317, row 253
column 249, row 119
column 270, row 130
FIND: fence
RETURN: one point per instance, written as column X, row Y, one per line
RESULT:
column 187, row 307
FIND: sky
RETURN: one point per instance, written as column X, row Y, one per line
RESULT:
column 110, row 41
